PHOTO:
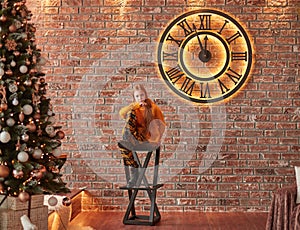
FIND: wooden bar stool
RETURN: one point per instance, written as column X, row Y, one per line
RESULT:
column 130, row 216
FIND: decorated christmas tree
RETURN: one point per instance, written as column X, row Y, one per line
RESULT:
column 30, row 154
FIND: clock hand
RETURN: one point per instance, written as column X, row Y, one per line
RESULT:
column 204, row 54
column 199, row 41
column 205, row 44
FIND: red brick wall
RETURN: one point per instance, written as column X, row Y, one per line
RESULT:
column 225, row 157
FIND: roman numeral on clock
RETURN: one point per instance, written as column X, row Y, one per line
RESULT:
column 234, row 76
column 220, row 31
column 233, row 37
column 205, row 22
column 170, row 38
column 174, row 74
column 187, row 86
column 186, row 27
column 239, row 56
column 170, row 56
column 204, row 90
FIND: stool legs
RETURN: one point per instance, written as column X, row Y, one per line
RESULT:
column 151, row 190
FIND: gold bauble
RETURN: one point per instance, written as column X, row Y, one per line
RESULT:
column 3, row 106
column 12, row 28
column 24, row 196
column 4, row 171
column 3, row 18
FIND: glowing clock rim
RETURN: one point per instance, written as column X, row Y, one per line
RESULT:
column 249, row 55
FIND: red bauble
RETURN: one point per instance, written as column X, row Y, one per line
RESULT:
column 60, row 134
column 31, row 127
column 4, row 171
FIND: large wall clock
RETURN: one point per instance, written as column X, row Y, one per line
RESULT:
column 204, row 55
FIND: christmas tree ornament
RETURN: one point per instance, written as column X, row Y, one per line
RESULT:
column 27, row 109
column 25, row 137
column 23, row 69
column 27, row 62
column 1, row 72
column 50, row 113
column 13, row 12
column 28, row 82
column 9, row 72
column 10, row 122
column 18, row 145
column 17, row 53
column 66, row 201
column 3, row 106
column 49, row 129
column 10, row 45
column 18, row 174
column 31, row 127
column 60, row 134
column 39, row 131
column 4, row 171
column 12, row 88
column 3, row 18
column 13, row 63
column 5, row 4
column 29, row 50
column 24, row 196
column 12, row 28
column 56, row 152
column 21, row 116
column 37, row 153
column 18, row 24
column 5, row 137
column 23, row 156
column 15, row 101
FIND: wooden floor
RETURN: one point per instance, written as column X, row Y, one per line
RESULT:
column 173, row 221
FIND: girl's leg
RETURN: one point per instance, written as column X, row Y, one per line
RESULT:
column 128, row 157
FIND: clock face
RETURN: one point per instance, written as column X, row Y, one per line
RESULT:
column 204, row 56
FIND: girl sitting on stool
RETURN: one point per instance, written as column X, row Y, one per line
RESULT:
column 144, row 125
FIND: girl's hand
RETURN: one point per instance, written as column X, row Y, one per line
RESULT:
column 143, row 103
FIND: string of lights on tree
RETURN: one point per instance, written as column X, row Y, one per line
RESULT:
column 30, row 154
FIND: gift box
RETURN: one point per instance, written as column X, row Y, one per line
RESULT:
column 12, row 209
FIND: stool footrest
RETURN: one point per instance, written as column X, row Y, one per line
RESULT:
column 151, row 187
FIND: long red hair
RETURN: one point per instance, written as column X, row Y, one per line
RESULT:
column 148, row 116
